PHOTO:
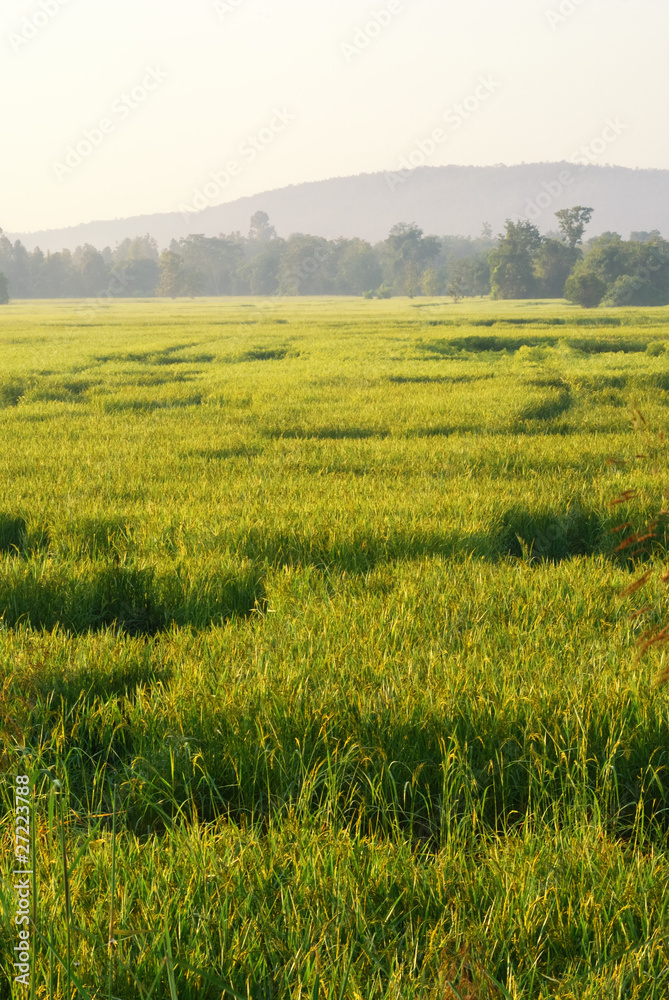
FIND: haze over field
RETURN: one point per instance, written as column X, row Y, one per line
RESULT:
column 441, row 200
column 120, row 110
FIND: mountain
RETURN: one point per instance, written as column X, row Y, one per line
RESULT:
column 452, row 200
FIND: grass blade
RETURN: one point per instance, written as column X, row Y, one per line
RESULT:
column 170, row 964
column 112, row 943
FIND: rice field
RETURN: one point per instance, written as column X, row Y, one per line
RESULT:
column 316, row 647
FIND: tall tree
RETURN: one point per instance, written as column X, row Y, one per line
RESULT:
column 308, row 266
column 138, row 277
column 610, row 257
column 640, row 236
column 216, row 259
column 95, row 273
column 408, row 254
column 261, row 272
column 139, row 248
column 260, row 229
column 37, row 265
column 471, row 275
column 572, row 223
column 4, row 290
column 553, row 264
column 358, row 268
column 512, row 263
column 647, row 281
column 432, row 282
column 19, row 273
column 61, row 277
column 171, row 281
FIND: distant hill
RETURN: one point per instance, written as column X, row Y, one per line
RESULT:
column 442, row 200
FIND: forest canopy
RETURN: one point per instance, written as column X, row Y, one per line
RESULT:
column 519, row 263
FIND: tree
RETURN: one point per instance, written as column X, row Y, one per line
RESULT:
column 61, row 279
column 455, row 287
column 217, row 259
column 572, row 223
column 135, row 268
column 37, row 266
column 260, row 229
column 138, row 277
column 609, row 257
column 192, row 282
column 644, row 237
column 647, row 280
column 512, row 263
column 308, row 266
column 262, row 271
column 584, row 287
column 171, row 274
column 15, row 264
column 95, row 273
column 470, row 274
column 553, row 265
column 358, row 267
column 432, row 282
column 620, row 273
column 408, row 253
column 140, row 248
column 4, row 290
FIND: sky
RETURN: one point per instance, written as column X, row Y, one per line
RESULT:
column 114, row 108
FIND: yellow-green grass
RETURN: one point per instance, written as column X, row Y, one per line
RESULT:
column 326, row 590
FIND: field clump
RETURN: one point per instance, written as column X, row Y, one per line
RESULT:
column 323, row 639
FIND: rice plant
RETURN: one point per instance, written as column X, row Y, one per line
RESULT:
column 319, row 642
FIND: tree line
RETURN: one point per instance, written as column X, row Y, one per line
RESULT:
column 519, row 263
column 606, row 270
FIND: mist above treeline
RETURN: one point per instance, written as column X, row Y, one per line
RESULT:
column 518, row 263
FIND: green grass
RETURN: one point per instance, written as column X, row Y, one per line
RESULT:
column 314, row 610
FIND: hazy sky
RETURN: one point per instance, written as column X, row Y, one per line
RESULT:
column 113, row 108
